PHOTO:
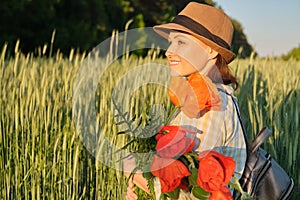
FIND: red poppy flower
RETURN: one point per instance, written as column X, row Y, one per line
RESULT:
column 196, row 95
column 222, row 194
column 173, row 141
column 184, row 184
column 169, row 171
column 215, row 170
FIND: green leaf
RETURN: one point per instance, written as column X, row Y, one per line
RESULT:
column 246, row 196
column 147, row 175
column 193, row 177
column 142, row 195
column 163, row 196
column 237, row 186
column 200, row 193
column 151, row 188
column 174, row 194
column 146, row 172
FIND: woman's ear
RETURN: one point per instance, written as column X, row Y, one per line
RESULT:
column 212, row 53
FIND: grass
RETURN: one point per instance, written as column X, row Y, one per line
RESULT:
column 42, row 156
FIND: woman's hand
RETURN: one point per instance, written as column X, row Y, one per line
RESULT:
column 130, row 194
column 137, row 178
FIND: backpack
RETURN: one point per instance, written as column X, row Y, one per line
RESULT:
column 263, row 178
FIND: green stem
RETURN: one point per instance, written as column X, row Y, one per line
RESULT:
column 172, row 113
column 240, row 189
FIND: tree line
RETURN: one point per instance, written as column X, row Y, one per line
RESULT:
column 82, row 24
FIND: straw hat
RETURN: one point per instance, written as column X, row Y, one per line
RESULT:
column 210, row 25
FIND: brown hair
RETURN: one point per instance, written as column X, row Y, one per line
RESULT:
column 223, row 70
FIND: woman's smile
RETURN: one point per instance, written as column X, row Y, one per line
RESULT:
column 174, row 63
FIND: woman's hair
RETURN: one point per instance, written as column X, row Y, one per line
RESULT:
column 223, row 70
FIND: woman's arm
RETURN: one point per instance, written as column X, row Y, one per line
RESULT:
column 136, row 179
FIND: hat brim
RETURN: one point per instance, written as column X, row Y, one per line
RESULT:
column 165, row 29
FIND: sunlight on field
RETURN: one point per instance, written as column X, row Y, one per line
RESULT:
column 42, row 156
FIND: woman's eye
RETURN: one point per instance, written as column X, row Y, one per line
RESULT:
column 180, row 42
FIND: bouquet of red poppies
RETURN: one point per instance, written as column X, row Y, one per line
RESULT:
column 173, row 160
column 177, row 166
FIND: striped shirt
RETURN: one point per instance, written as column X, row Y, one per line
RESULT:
column 217, row 130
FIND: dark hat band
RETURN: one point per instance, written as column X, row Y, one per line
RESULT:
column 200, row 30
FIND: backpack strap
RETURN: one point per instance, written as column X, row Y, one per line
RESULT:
column 260, row 138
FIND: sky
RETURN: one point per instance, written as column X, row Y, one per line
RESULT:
column 272, row 27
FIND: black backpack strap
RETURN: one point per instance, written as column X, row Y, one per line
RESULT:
column 260, row 138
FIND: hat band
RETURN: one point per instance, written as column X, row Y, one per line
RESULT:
column 199, row 29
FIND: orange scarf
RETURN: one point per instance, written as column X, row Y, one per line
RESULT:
column 195, row 96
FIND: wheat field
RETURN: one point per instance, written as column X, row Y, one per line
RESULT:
column 43, row 157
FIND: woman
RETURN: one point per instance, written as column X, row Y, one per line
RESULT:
column 200, row 38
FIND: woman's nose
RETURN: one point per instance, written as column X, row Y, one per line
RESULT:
column 170, row 51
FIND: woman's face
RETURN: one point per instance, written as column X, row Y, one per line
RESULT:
column 186, row 54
